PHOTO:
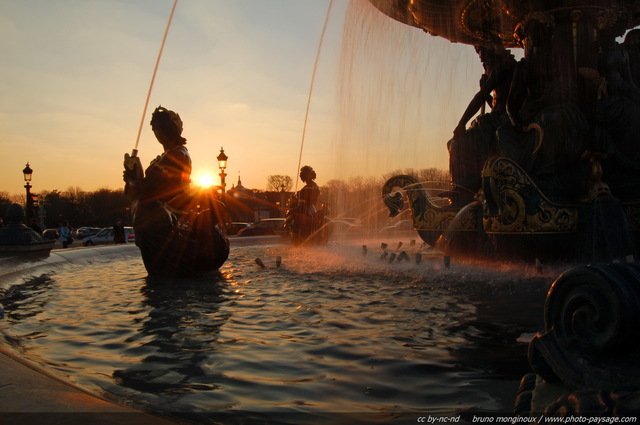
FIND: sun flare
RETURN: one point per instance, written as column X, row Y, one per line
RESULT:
column 205, row 180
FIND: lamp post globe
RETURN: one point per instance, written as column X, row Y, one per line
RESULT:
column 27, row 172
column 222, row 164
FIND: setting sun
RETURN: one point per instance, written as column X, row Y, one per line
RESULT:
column 204, row 180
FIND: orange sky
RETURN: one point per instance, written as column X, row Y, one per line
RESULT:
column 75, row 75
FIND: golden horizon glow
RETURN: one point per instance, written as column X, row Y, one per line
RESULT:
column 69, row 91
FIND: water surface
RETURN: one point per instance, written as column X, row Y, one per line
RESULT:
column 329, row 332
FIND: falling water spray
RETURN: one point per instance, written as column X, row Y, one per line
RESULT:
column 134, row 153
column 313, row 80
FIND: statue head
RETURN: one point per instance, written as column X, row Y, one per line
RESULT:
column 307, row 174
column 491, row 54
column 167, row 126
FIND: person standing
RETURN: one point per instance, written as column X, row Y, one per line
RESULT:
column 118, row 232
column 34, row 226
column 65, row 234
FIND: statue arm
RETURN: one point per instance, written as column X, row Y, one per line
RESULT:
column 166, row 176
column 132, row 175
column 488, row 84
column 474, row 106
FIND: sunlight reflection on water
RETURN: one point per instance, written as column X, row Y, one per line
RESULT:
column 331, row 330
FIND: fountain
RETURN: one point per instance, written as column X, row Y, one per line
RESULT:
column 396, row 336
column 551, row 172
column 18, row 239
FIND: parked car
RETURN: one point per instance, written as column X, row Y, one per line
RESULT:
column 400, row 226
column 105, row 236
column 267, row 226
column 346, row 226
column 235, row 226
column 352, row 220
column 85, row 232
column 51, row 234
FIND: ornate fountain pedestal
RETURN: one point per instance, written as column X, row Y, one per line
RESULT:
column 558, row 179
column 555, row 166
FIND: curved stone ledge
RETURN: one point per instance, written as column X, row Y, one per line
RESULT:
column 16, row 267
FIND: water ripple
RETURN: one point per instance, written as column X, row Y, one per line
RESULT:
column 328, row 331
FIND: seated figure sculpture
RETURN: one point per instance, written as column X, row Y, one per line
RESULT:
column 172, row 239
column 469, row 149
column 632, row 47
column 617, row 110
column 305, row 222
column 543, row 98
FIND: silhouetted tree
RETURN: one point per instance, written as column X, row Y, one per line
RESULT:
column 106, row 206
column 275, row 183
column 55, row 208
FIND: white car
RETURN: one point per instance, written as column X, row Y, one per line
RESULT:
column 105, row 236
column 266, row 226
column 400, row 226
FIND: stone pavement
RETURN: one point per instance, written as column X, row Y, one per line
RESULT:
column 30, row 395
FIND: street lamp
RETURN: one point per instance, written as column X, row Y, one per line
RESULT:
column 28, row 172
column 222, row 164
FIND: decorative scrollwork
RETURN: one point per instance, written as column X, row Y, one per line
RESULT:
column 521, row 206
column 591, row 322
column 425, row 213
column 632, row 212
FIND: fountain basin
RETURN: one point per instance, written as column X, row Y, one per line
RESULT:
column 29, row 391
column 18, row 239
column 327, row 333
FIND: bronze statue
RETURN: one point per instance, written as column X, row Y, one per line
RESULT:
column 562, row 185
column 305, row 221
column 553, row 169
column 175, row 237
column 585, row 360
column 632, row 47
column 469, row 149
